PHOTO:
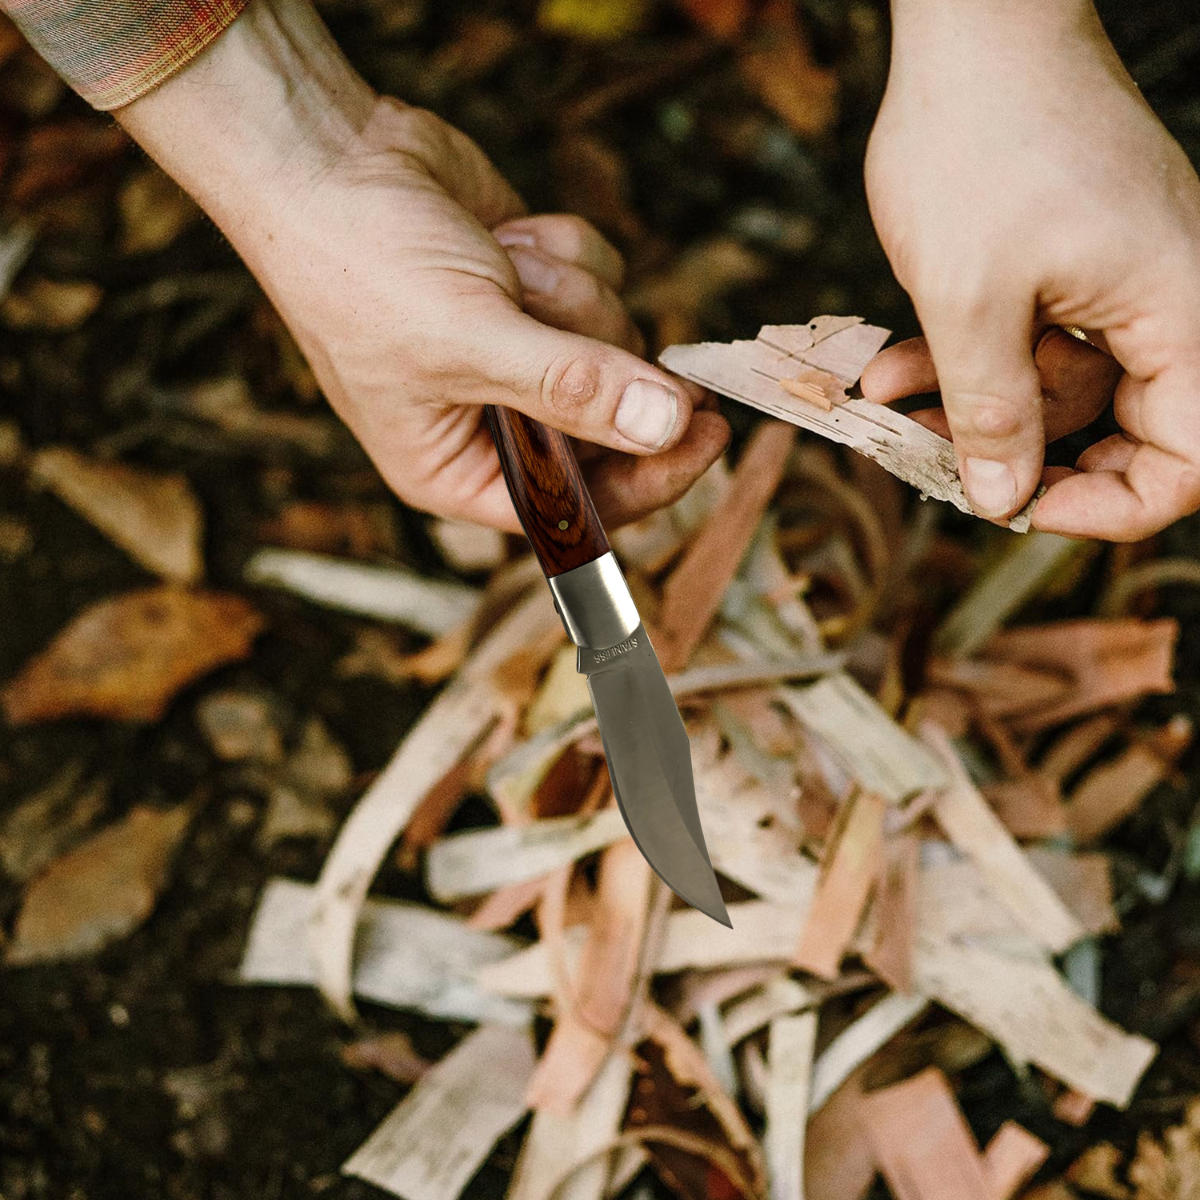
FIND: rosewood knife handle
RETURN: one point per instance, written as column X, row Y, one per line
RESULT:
column 547, row 491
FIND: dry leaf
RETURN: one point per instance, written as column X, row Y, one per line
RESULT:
column 778, row 61
column 50, row 821
column 55, row 157
column 57, row 306
column 126, row 657
column 100, row 891
column 154, row 518
column 722, row 18
column 593, row 20
column 358, row 530
column 1169, row 1169
column 240, row 727
column 155, row 210
column 702, row 274
column 392, row 1054
column 1095, row 1171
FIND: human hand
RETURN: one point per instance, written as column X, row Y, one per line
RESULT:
column 1018, row 181
column 420, row 291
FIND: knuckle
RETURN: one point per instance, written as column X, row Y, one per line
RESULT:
column 571, row 384
column 990, row 417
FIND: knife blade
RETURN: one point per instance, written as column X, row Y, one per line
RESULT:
column 645, row 743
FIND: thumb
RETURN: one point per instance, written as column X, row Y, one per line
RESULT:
column 586, row 388
column 993, row 401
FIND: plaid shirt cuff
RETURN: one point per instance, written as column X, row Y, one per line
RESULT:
column 113, row 51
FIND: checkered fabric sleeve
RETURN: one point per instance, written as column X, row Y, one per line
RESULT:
column 113, row 51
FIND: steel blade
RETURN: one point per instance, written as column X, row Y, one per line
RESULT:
column 650, row 762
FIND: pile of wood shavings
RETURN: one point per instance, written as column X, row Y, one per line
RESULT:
column 893, row 856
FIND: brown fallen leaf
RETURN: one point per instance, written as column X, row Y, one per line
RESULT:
column 124, row 658
column 1169, row 1169
column 155, row 210
column 156, row 519
column 101, row 891
column 55, row 157
column 698, row 277
column 778, row 62
column 357, row 530
column 50, row 821
column 722, row 18
column 392, row 1054
column 1095, row 1171
column 57, row 306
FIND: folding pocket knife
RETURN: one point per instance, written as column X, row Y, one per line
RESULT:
column 649, row 757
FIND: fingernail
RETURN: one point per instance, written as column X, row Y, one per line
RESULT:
column 536, row 273
column 991, row 486
column 647, row 413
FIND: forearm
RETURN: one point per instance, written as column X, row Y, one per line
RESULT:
column 255, row 118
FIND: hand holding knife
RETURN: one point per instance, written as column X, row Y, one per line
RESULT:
column 647, row 749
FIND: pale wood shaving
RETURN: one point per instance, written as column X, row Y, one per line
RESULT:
column 394, row 594
column 853, row 866
column 859, row 1040
column 789, row 1075
column 409, row 955
column 439, row 1135
column 1012, row 1158
column 1025, row 1005
column 451, row 726
column 873, row 749
column 975, row 829
column 751, row 371
column 468, row 864
column 923, row 1145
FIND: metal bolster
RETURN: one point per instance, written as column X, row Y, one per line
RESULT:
column 595, row 604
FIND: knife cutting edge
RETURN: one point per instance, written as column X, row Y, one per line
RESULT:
column 645, row 744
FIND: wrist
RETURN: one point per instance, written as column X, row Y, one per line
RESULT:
column 997, row 27
column 260, row 114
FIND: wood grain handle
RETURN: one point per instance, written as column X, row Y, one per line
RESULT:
column 547, row 491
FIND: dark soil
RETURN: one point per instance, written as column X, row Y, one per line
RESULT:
column 91, row 1053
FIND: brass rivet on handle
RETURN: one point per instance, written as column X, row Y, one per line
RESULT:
column 564, row 524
